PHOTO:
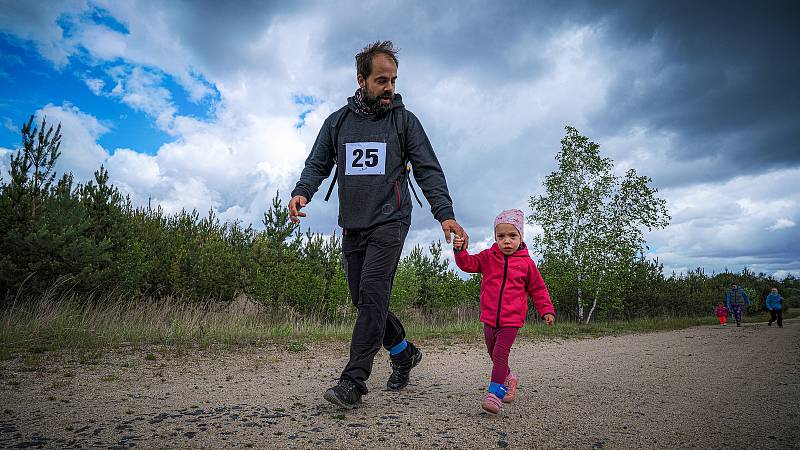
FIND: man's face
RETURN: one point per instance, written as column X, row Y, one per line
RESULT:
column 378, row 87
column 774, row 290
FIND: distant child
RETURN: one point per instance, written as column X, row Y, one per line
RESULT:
column 722, row 314
column 509, row 276
column 774, row 303
column 735, row 299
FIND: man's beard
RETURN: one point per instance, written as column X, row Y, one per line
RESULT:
column 374, row 103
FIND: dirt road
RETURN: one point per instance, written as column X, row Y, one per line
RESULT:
column 708, row 387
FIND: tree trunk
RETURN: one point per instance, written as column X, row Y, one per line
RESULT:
column 580, row 300
column 591, row 311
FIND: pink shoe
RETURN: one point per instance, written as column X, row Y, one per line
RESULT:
column 511, row 384
column 492, row 404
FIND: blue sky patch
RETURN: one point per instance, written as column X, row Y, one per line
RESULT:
column 30, row 83
column 309, row 102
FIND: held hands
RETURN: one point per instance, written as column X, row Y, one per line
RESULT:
column 295, row 204
column 549, row 319
column 458, row 243
column 451, row 226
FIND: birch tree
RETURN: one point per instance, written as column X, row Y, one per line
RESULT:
column 593, row 223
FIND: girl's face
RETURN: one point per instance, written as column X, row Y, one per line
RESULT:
column 507, row 238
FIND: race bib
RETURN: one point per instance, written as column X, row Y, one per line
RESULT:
column 365, row 158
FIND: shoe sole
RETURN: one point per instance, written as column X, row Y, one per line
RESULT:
column 490, row 412
column 331, row 397
column 414, row 362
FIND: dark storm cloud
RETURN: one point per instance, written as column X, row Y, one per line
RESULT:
column 723, row 69
column 720, row 77
column 221, row 32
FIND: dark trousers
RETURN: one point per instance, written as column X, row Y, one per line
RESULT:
column 370, row 262
column 776, row 314
column 737, row 311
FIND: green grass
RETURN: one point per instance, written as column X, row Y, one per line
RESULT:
column 89, row 328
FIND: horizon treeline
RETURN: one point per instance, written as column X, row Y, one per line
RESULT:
column 86, row 241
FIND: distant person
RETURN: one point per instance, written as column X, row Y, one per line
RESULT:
column 774, row 304
column 722, row 314
column 509, row 276
column 369, row 143
column 736, row 299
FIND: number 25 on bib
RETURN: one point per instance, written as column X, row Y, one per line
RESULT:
column 365, row 158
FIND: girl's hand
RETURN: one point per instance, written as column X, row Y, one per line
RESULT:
column 458, row 243
column 549, row 319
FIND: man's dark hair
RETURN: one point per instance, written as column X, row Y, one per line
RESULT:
column 364, row 58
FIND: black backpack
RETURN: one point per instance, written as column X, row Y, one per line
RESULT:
column 337, row 119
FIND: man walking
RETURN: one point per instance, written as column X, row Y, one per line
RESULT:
column 735, row 299
column 370, row 141
column 774, row 304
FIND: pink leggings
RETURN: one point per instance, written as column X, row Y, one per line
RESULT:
column 498, row 343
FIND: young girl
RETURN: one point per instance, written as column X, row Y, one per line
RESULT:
column 509, row 276
column 722, row 314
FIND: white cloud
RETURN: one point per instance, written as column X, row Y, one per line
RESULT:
column 135, row 174
column 8, row 124
column 747, row 221
column 32, row 21
column 143, row 90
column 5, row 163
column 80, row 152
column 781, row 224
column 188, row 194
column 95, row 85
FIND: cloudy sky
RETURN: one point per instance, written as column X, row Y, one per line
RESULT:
column 201, row 104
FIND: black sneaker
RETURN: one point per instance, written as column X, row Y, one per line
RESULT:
column 402, row 363
column 344, row 394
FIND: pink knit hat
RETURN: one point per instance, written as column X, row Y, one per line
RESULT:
column 514, row 217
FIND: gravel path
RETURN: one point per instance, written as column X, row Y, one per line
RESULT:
column 708, row 387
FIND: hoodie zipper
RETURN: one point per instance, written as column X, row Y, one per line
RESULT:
column 397, row 190
column 502, row 286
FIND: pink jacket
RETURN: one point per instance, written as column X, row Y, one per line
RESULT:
column 506, row 283
column 721, row 311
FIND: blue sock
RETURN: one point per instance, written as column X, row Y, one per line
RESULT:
column 498, row 389
column 398, row 348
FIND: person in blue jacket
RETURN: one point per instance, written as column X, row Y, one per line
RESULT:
column 736, row 299
column 774, row 304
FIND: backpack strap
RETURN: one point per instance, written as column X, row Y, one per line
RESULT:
column 335, row 122
column 399, row 118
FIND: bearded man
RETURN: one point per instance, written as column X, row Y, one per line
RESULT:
column 371, row 140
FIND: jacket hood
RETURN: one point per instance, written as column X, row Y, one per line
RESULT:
column 396, row 103
column 521, row 251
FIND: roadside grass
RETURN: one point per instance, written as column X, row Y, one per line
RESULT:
column 48, row 326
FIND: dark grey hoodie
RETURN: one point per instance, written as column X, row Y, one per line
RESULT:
column 373, row 185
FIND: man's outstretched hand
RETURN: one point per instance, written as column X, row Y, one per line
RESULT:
column 451, row 226
column 295, row 204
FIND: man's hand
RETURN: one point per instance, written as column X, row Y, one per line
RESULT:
column 295, row 204
column 458, row 243
column 451, row 226
column 549, row 319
